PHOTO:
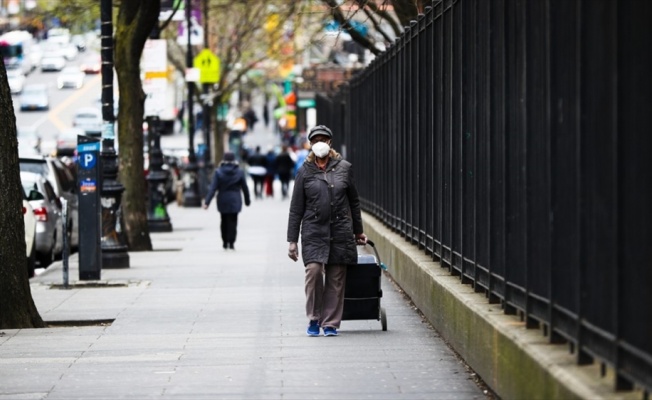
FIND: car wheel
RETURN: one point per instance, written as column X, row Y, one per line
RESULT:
column 31, row 261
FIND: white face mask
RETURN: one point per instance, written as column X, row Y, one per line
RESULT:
column 321, row 149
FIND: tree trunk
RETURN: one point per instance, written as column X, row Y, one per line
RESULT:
column 17, row 309
column 219, row 131
column 136, row 19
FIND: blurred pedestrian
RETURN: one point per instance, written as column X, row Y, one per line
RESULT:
column 251, row 117
column 266, row 114
column 325, row 209
column 228, row 181
column 257, row 170
column 301, row 156
column 271, row 172
column 284, row 169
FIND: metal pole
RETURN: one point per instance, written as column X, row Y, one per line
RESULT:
column 208, row 105
column 191, row 188
column 66, row 246
column 114, row 243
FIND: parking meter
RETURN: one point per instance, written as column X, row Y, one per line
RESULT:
column 89, row 182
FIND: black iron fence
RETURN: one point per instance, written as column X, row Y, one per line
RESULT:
column 512, row 140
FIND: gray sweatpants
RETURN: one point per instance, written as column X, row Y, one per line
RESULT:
column 325, row 293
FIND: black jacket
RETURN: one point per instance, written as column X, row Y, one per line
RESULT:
column 326, row 209
column 228, row 180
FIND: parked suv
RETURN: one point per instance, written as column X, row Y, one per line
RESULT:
column 64, row 184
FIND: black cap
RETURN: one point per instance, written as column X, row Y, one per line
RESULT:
column 320, row 130
column 229, row 156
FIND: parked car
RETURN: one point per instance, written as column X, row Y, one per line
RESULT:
column 64, row 184
column 29, row 140
column 30, row 235
column 67, row 142
column 89, row 119
column 79, row 41
column 16, row 80
column 52, row 63
column 48, row 212
column 70, row 77
column 70, row 51
column 34, row 97
column 91, row 64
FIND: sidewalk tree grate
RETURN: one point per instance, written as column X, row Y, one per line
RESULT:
column 96, row 284
column 75, row 323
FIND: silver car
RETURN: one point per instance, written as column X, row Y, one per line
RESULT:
column 89, row 119
column 64, row 183
column 34, row 97
column 47, row 209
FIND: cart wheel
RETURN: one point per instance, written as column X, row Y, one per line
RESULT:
column 383, row 318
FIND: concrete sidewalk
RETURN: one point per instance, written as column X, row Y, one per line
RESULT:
column 190, row 320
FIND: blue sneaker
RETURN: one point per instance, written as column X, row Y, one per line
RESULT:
column 330, row 331
column 313, row 329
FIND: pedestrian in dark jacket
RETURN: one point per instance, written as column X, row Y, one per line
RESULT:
column 228, row 181
column 325, row 209
column 270, row 164
column 258, row 169
column 284, row 169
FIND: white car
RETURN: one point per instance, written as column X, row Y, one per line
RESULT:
column 16, row 80
column 48, row 211
column 69, row 51
column 70, row 77
column 30, row 235
column 88, row 119
column 52, row 63
column 34, row 97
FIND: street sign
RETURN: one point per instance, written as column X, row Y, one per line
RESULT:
column 87, row 160
column 208, row 65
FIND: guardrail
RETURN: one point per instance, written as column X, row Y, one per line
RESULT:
column 511, row 140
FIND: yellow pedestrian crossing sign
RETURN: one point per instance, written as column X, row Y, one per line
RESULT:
column 208, row 65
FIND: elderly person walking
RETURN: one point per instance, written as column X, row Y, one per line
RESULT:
column 325, row 208
column 228, row 181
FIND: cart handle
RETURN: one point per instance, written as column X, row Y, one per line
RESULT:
column 373, row 246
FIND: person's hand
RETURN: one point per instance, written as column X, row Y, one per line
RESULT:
column 204, row 206
column 293, row 251
column 247, row 203
column 361, row 239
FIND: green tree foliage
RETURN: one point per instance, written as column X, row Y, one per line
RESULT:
column 78, row 15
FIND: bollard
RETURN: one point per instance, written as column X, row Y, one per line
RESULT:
column 158, row 219
column 66, row 246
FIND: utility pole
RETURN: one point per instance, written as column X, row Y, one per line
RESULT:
column 207, row 107
column 191, row 190
column 114, row 247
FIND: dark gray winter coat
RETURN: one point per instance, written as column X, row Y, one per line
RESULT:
column 326, row 209
column 228, row 181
